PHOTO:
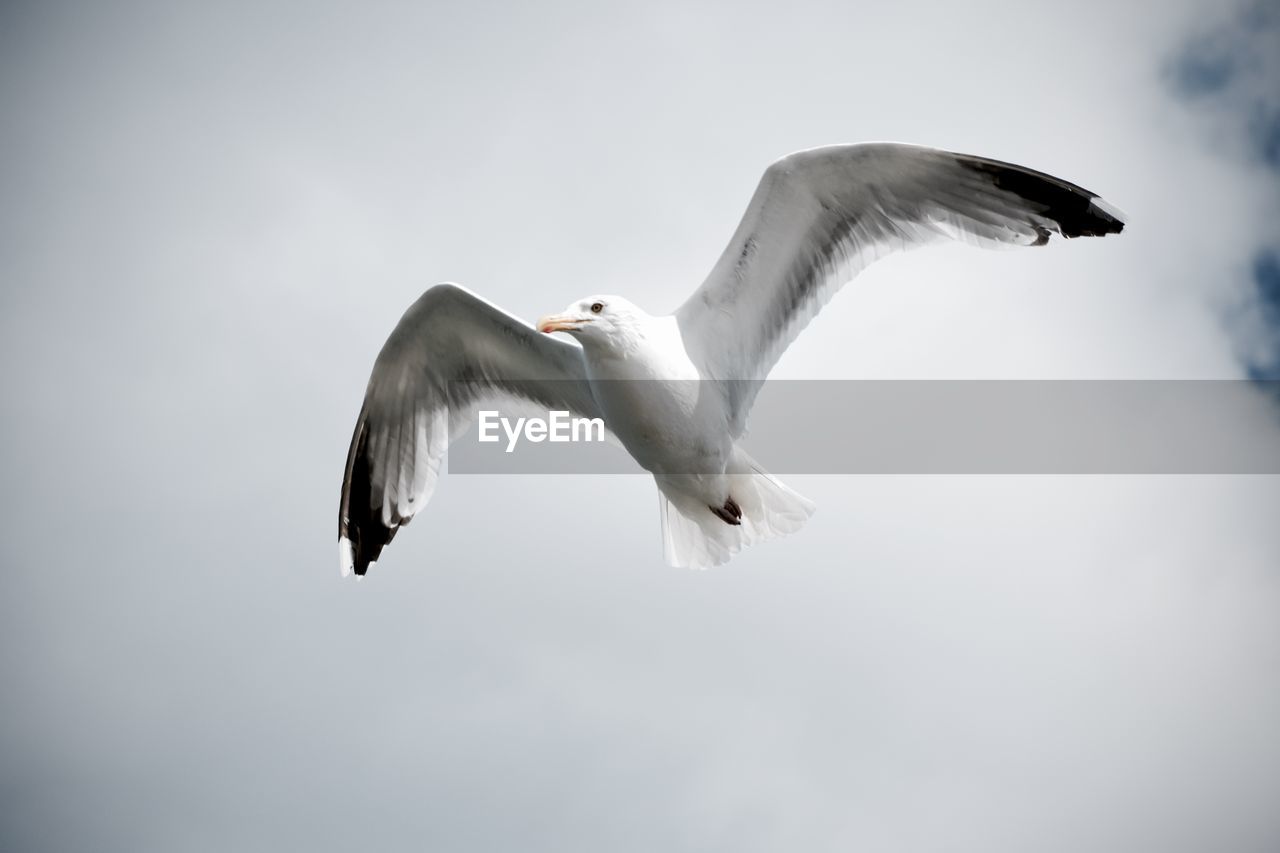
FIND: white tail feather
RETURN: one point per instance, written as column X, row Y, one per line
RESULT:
column 694, row 537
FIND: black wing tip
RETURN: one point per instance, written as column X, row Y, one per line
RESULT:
column 370, row 548
column 1105, row 219
column 1076, row 211
column 361, row 539
column 361, row 533
column 356, row 553
column 1085, row 215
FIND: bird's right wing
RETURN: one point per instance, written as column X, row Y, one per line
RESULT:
column 819, row 216
column 450, row 351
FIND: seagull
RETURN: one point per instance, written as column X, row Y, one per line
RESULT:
column 675, row 390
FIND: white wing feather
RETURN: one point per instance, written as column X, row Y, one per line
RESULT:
column 818, row 217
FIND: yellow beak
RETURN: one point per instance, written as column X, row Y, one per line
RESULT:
column 560, row 323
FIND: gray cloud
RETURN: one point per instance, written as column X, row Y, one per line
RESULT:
column 1228, row 71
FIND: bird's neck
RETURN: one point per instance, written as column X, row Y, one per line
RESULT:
column 648, row 348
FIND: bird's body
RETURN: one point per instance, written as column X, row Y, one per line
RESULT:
column 652, row 400
column 676, row 390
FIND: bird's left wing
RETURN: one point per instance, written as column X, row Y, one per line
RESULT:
column 819, row 216
column 450, row 351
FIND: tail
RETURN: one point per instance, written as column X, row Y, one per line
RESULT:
column 694, row 537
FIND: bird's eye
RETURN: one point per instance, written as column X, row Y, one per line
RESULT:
column 597, row 307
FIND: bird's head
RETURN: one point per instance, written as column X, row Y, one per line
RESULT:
column 597, row 319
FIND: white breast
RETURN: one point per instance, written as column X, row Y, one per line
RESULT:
column 653, row 400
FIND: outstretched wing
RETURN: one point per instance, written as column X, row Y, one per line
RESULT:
column 820, row 216
column 450, row 351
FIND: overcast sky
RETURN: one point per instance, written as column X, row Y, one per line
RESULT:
column 212, row 214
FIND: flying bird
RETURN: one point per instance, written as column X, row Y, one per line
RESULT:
column 676, row 389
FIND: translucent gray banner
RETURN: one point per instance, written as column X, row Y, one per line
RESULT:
column 926, row 427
